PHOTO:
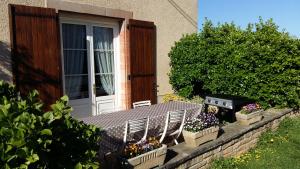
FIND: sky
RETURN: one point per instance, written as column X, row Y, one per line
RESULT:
column 285, row 13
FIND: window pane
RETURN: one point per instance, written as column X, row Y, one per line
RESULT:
column 74, row 36
column 100, row 90
column 77, row 86
column 104, row 61
column 75, row 62
column 103, row 38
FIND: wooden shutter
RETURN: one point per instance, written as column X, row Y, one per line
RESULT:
column 36, row 51
column 142, row 47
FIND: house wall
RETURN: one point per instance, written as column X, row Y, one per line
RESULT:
column 173, row 18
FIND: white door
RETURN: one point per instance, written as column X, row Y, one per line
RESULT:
column 89, row 66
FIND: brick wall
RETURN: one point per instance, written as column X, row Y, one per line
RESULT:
column 124, row 68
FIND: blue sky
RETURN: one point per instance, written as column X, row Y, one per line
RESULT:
column 285, row 13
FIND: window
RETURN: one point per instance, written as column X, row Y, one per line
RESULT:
column 77, row 56
column 75, row 61
column 104, row 61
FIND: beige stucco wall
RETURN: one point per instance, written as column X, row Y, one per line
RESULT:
column 173, row 18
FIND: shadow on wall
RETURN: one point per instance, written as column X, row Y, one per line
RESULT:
column 5, row 63
column 32, row 72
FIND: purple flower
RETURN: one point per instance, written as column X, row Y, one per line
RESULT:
column 202, row 121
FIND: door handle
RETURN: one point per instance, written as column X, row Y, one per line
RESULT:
column 94, row 89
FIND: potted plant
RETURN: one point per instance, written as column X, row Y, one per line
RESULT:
column 249, row 114
column 202, row 128
column 146, row 154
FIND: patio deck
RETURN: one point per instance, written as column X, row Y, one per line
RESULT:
column 112, row 124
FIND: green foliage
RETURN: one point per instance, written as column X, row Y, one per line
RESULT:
column 259, row 62
column 32, row 138
column 174, row 97
column 278, row 149
column 223, row 163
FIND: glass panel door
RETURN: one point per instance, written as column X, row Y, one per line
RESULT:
column 89, row 67
column 104, row 61
column 75, row 61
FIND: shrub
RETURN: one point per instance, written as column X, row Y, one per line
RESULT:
column 259, row 62
column 32, row 138
column 174, row 97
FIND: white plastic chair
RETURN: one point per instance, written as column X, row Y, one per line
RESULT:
column 174, row 117
column 141, row 103
column 200, row 110
column 134, row 126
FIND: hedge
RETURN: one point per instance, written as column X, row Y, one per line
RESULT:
column 32, row 138
column 258, row 62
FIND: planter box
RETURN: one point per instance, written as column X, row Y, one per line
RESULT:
column 194, row 139
column 248, row 119
column 148, row 160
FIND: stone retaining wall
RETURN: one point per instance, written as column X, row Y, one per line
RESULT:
column 235, row 140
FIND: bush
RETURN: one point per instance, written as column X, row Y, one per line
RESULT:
column 174, row 97
column 259, row 62
column 31, row 138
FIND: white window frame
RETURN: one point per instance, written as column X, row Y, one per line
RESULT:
column 90, row 53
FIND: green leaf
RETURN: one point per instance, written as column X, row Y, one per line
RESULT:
column 22, row 152
column 49, row 116
column 39, row 140
column 11, row 157
column 6, row 166
column 23, row 166
column 65, row 98
column 78, row 166
column 31, row 159
column 8, row 148
column 46, row 132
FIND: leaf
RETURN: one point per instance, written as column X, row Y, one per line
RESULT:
column 6, row 166
column 78, row 166
column 39, row 140
column 48, row 116
column 11, row 157
column 23, row 166
column 8, row 148
column 65, row 98
column 33, row 158
column 22, row 152
column 46, row 132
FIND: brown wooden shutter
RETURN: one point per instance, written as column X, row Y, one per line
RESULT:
column 36, row 51
column 142, row 47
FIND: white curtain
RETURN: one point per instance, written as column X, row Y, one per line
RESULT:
column 75, row 63
column 104, row 58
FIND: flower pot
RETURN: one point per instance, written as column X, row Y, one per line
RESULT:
column 150, row 159
column 248, row 119
column 194, row 139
